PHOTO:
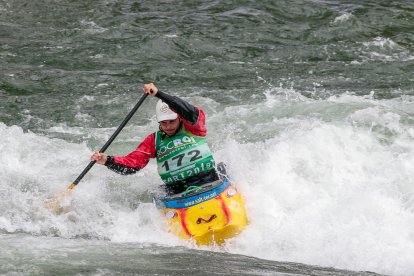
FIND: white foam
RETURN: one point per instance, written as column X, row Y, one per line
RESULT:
column 343, row 18
column 35, row 167
column 385, row 49
column 326, row 183
column 92, row 28
column 328, row 195
column 334, row 192
column 382, row 43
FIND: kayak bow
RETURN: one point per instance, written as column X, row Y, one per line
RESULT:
column 210, row 215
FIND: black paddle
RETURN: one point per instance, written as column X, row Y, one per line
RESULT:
column 55, row 203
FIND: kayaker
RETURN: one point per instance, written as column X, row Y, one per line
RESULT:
column 183, row 156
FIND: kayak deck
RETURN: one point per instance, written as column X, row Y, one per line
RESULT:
column 208, row 214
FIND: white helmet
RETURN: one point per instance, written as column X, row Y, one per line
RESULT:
column 164, row 112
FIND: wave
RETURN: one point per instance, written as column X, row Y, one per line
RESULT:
column 326, row 182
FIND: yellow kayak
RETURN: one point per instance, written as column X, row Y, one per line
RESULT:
column 208, row 214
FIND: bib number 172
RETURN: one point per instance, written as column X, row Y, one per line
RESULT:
column 194, row 155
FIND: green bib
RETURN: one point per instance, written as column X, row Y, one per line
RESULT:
column 182, row 156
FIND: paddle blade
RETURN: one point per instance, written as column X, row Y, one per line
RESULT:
column 55, row 204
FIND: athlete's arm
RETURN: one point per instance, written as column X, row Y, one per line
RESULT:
column 119, row 168
column 192, row 116
column 134, row 161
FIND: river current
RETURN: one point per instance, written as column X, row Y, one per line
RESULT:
column 309, row 103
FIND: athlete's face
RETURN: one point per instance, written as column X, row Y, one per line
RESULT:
column 170, row 127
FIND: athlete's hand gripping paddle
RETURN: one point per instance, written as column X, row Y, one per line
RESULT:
column 55, row 203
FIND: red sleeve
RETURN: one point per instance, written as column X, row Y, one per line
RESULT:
column 140, row 157
column 199, row 128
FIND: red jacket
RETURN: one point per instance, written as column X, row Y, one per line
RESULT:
column 140, row 157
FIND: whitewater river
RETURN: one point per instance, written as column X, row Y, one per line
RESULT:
column 310, row 104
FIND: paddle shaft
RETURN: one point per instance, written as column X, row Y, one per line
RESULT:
column 109, row 142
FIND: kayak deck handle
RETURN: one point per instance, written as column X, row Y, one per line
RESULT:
column 190, row 188
column 201, row 220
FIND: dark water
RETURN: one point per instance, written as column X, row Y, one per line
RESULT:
column 54, row 51
column 311, row 103
column 100, row 258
